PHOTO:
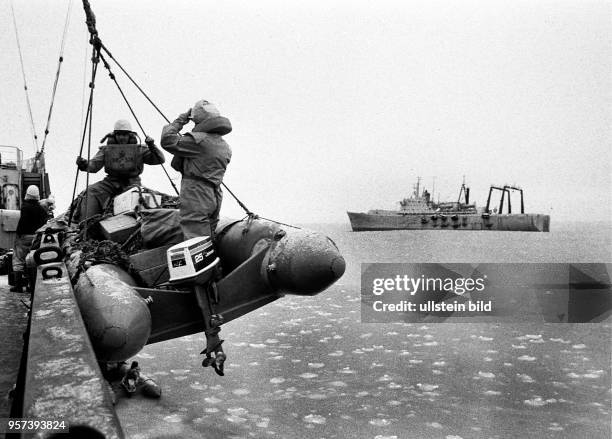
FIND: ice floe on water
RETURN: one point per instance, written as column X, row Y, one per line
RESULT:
column 530, row 337
column 212, row 400
column 277, row 380
column 263, row 422
column 592, row 374
column 537, row 340
column 241, row 392
column 316, row 396
column 538, row 401
column 308, row 375
column 145, row 356
column 236, row 419
column 427, row 387
column 486, row 374
column 525, row 378
column 173, row 418
column 492, row 392
column 198, row 386
column 560, row 340
column 237, row 411
column 380, row 422
column 314, row 419
column 555, row 426
column 480, row 337
column 316, row 365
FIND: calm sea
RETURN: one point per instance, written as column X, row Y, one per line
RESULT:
column 306, row 367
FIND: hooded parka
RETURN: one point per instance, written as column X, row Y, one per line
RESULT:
column 201, row 156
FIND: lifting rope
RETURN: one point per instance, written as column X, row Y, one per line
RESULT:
column 57, row 74
column 59, row 67
column 25, row 85
column 112, row 76
column 95, row 40
column 88, row 119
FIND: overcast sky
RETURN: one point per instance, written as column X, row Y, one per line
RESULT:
column 339, row 105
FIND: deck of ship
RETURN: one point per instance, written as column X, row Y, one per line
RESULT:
column 13, row 321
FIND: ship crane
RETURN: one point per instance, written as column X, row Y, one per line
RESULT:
column 505, row 190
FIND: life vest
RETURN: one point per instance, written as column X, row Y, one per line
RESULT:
column 123, row 160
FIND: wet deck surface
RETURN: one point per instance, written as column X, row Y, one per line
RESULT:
column 13, row 320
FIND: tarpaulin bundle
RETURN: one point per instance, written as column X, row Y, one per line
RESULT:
column 160, row 227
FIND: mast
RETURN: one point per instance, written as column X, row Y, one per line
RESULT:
column 433, row 188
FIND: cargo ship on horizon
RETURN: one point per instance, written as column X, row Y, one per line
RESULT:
column 420, row 212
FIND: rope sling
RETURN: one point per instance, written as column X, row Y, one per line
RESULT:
column 98, row 48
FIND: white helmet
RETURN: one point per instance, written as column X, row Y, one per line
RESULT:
column 32, row 193
column 122, row 125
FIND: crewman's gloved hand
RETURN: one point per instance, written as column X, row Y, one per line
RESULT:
column 149, row 141
column 182, row 120
column 81, row 163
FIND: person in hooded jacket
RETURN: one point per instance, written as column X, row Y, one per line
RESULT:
column 32, row 217
column 123, row 159
column 201, row 156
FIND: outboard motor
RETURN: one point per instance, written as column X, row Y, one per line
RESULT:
column 194, row 263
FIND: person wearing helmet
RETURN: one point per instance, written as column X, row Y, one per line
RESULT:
column 201, row 156
column 123, row 159
column 32, row 217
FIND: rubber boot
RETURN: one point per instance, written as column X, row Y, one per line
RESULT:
column 18, row 287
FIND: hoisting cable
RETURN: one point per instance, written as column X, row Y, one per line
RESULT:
column 242, row 205
column 112, row 76
column 134, row 82
column 91, row 25
column 25, row 85
column 88, row 117
column 57, row 74
column 105, row 49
